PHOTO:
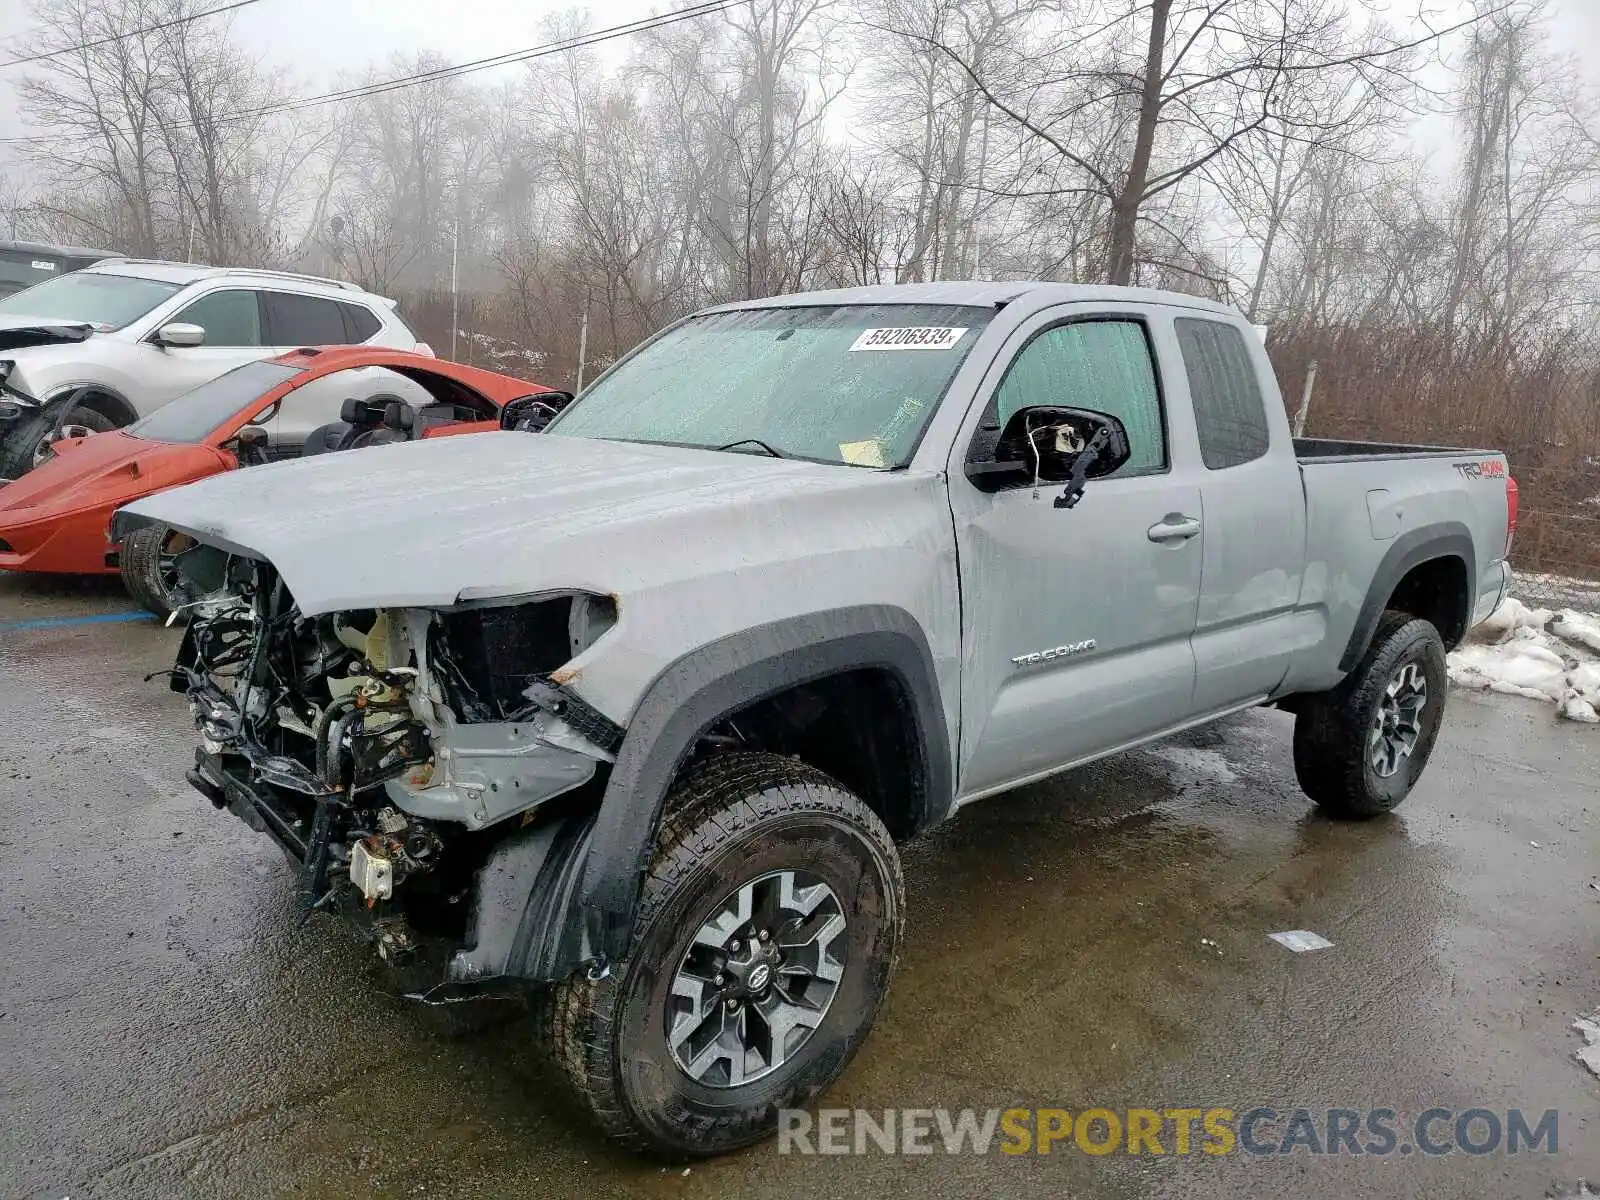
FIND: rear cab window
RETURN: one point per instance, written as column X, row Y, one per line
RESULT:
column 1229, row 410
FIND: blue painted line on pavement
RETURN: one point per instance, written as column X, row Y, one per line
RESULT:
column 68, row 622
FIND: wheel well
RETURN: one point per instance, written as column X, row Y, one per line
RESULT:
column 857, row 726
column 108, row 404
column 1436, row 591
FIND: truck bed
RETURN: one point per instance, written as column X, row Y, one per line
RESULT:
column 1334, row 450
column 1365, row 500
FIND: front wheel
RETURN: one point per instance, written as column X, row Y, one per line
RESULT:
column 30, row 443
column 1360, row 748
column 149, row 564
column 764, row 944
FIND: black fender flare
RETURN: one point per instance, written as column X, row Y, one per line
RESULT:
column 705, row 686
column 1444, row 539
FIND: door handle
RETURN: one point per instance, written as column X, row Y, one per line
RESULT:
column 1174, row 527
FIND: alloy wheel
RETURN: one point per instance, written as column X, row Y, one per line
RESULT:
column 1397, row 725
column 757, row 980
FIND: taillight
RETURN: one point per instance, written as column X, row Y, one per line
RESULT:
column 1511, row 511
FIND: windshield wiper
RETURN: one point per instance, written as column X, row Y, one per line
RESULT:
column 765, row 448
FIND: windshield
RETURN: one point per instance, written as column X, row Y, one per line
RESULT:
column 104, row 301
column 196, row 415
column 851, row 384
column 20, row 270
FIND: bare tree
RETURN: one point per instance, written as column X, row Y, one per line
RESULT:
column 1132, row 99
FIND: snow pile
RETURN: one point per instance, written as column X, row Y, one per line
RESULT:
column 1536, row 653
column 503, row 351
column 1589, row 1026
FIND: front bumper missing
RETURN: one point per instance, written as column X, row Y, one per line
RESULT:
column 521, row 898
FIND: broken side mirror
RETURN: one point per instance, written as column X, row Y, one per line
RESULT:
column 530, row 414
column 249, row 443
column 1046, row 444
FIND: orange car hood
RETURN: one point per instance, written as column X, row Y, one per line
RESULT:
column 105, row 468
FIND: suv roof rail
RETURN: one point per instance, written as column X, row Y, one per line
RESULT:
column 215, row 271
column 338, row 283
column 146, row 262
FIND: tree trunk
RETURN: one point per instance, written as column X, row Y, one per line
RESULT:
column 1125, row 204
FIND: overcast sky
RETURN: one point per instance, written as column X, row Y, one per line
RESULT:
column 318, row 38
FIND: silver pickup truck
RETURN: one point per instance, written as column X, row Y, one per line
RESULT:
column 636, row 708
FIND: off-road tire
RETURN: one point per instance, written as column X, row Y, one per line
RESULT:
column 142, row 574
column 1332, row 758
column 17, row 444
column 728, row 819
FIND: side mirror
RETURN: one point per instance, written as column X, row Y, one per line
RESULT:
column 1045, row 444
column 249, row 444
column 180, row 333
column 530, row 414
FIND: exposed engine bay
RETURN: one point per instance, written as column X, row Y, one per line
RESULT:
column 379, row 747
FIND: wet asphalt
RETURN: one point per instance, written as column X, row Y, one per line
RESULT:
column 168, row 1029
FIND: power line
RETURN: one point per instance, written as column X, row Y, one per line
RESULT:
column 382, row 87
column 120, row 37
column 577, row 42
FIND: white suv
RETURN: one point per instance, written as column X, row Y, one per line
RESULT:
column 99, row 348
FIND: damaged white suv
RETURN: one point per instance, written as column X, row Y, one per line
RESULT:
column 636, row 709
column 98, row 348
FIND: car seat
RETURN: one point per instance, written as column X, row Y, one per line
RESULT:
column 372, row 421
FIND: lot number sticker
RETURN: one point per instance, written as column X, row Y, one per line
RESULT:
column 925, row 337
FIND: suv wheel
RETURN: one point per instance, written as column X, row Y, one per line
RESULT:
column 29, row 443
column 1360, row 748
column 764, row 943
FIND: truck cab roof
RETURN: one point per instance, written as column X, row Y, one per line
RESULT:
column 998, row 294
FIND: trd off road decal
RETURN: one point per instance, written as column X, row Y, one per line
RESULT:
column 1481, row 470
column 925, row 337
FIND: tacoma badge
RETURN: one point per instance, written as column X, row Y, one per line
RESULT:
column 1067, row 651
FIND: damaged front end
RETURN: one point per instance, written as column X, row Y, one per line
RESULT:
column 425, row 771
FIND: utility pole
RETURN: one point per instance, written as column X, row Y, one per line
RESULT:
column 583, row 345
column 1305, row 400
column 455, row 290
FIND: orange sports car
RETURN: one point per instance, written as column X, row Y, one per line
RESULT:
column 309, row 401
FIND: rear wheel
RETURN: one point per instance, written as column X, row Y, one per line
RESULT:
column 30, row 443
column 149, row 559
column 763, row 947
column 1360, row 748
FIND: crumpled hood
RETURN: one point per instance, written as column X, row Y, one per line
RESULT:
column 19, row 331
column 431, row 523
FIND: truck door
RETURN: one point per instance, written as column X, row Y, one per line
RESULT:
column 1254, row 551
column 1076, row 623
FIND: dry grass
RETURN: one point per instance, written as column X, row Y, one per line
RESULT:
column 1542, row 408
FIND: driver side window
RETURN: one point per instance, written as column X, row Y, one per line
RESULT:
column 1105, row 366
column 230, row 318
